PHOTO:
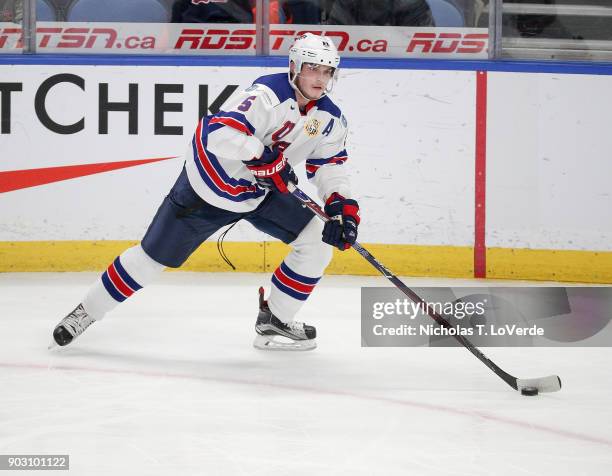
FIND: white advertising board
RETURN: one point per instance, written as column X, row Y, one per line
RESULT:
column 411, row 147
column 549, row 165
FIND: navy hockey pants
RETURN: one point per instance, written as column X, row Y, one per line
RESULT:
column 184, row 221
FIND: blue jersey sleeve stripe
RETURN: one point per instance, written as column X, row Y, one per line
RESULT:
column 235, row 196
column 239, row 117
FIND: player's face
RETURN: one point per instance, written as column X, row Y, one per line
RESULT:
column 313, row 79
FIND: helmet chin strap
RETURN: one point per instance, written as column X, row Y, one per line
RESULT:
column 297, row 88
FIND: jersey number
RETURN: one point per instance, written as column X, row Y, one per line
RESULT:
column 247, row 103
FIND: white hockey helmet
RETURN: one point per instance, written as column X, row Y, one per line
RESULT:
column 311, row 48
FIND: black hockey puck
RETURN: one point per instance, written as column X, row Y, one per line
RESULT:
column 529, row 391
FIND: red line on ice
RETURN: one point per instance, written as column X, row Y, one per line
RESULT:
column 524, row 425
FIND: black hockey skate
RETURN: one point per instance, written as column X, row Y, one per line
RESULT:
column 274, row 334
column 72, row 326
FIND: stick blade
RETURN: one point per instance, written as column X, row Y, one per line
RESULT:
column 552, row 383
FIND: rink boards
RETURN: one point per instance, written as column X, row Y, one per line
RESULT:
column 458, row 173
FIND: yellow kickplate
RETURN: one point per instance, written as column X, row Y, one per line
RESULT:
column 255, row 257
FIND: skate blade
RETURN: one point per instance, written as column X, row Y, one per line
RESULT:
column 270, row 343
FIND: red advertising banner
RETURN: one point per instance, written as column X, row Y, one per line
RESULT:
column 239, row 39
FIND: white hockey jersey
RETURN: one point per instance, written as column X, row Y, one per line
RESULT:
column 266, row 114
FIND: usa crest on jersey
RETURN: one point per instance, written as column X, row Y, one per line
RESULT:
column 312, row 127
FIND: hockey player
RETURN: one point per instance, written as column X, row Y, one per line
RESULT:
column 237, row 167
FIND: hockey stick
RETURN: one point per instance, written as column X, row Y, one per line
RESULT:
column 552, row 383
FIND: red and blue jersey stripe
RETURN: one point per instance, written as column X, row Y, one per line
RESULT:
column 312, row 165
column 119, row 284
column 292, row 283
column 233, row 119
column 213, row 174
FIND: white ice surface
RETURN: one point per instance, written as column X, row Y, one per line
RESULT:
column 168, row 384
